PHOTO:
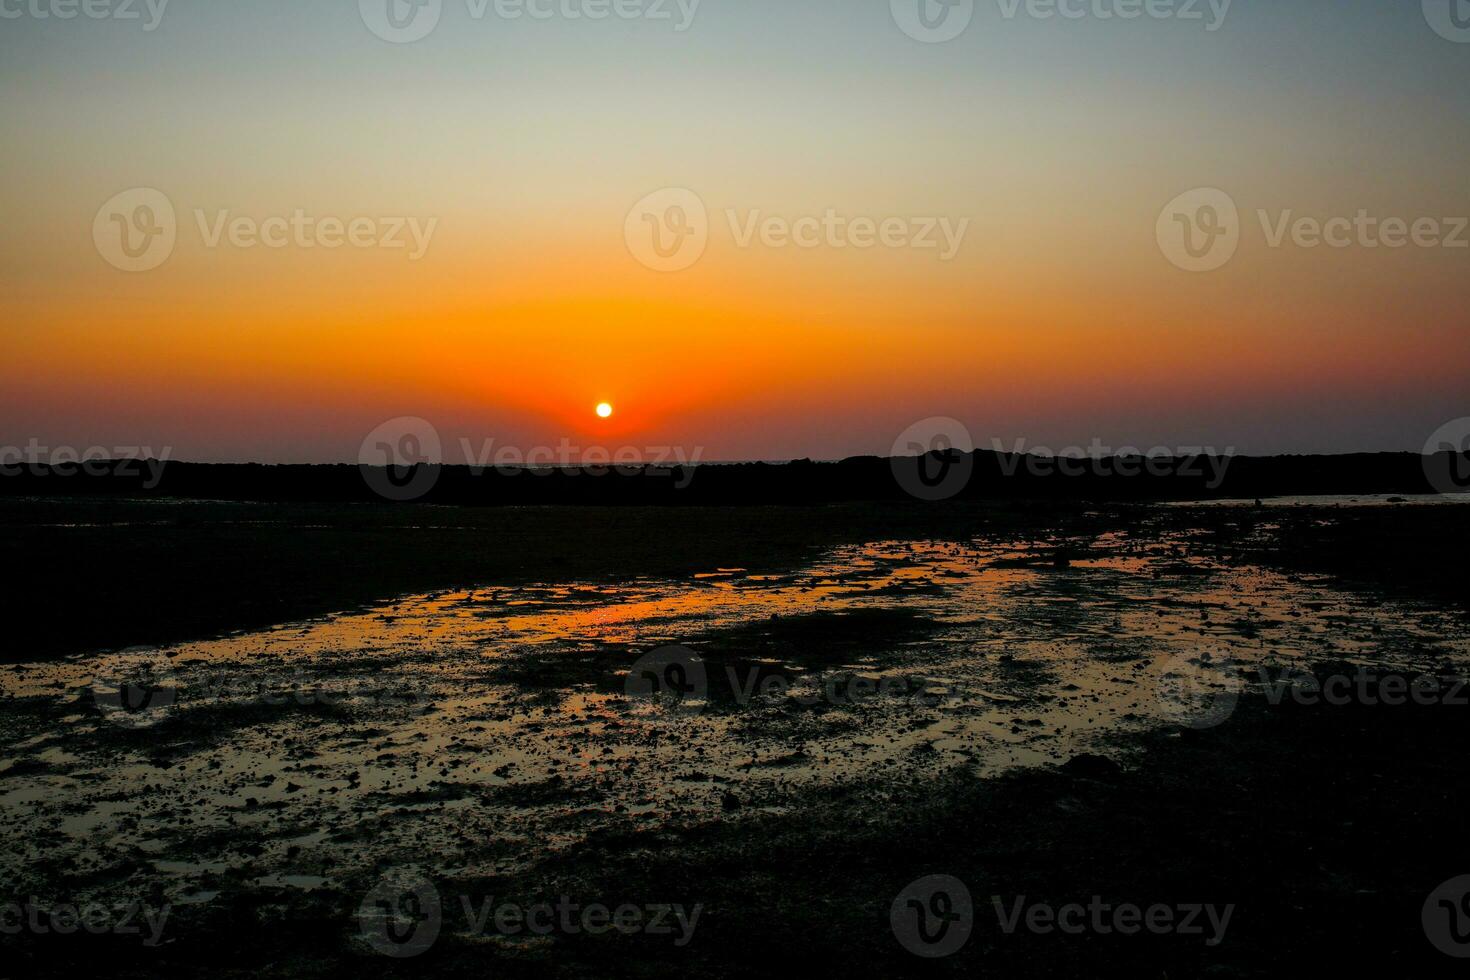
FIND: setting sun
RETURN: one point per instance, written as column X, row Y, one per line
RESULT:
column 604, row 411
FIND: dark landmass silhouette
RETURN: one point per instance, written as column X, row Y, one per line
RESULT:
column 981, row 475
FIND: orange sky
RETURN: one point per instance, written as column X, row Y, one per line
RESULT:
column 1058, row 320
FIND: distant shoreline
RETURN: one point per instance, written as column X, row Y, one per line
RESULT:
column 932, row 478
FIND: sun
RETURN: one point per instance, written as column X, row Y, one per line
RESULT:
column 604, row 411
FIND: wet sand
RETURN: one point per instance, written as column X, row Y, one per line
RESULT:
column 1067, row 711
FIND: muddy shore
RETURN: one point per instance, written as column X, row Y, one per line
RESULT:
column 792, row 827
column 1324, row 827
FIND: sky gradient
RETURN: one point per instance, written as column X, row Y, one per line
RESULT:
column 1059, row 321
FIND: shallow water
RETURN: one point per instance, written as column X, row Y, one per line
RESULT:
column 477, row 731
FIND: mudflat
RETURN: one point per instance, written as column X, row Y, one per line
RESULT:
column 1137, row 740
